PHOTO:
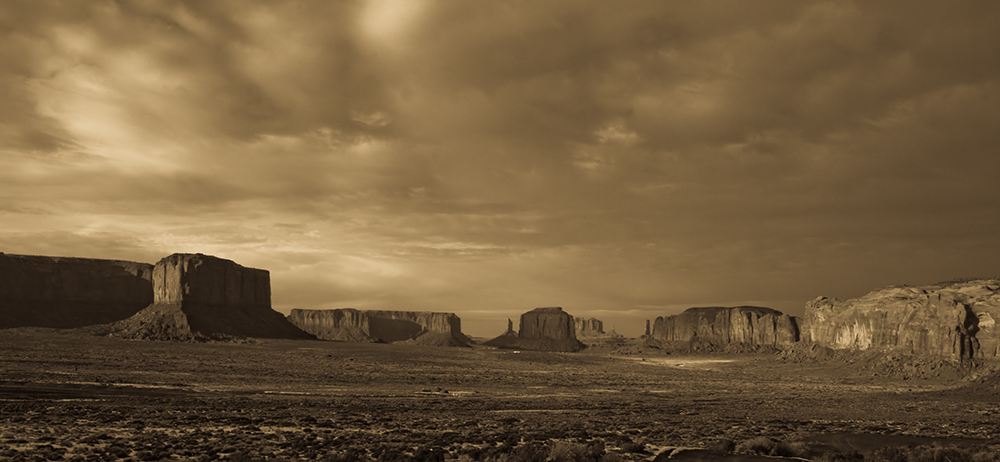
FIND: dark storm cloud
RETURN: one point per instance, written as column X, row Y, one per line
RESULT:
column 501, row 155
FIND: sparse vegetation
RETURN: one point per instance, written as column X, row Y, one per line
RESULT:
column 69, row 397
column 765, row 446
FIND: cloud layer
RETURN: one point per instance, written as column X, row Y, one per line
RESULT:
column 622, row 161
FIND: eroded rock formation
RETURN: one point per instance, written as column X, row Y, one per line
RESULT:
column 593, row 328
column 955, row 319
column 64, row 292
column 590, row 327
column 199, row 296
column 748, row 325
column 546, row 329
column 347, row 324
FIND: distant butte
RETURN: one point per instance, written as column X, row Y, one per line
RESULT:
column 346, row 324
column 953, row 320
column 545, row 329
column 747, row 325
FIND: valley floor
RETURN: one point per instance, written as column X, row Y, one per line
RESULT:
column 66, row 395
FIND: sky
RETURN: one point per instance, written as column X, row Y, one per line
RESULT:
column 622, row 160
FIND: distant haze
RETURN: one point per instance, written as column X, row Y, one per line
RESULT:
column 621, row 160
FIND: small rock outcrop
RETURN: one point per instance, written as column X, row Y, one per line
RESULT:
column 199, row 297
column 544, row 329
column 954, row 320
column 746, row 325
column 63, row 292
column 347, row 324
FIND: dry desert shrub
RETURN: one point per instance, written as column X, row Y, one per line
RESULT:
column 849, row 456
column 565, row 451
column 554, row 451
column 347, row 455
column 765, row 446
column 934, row 454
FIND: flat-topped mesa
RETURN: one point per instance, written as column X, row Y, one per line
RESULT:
column 590, row 327
column 198, row 296
column 208, row 280
column 344, row 325
column 953, row 319
column 593, row 328
column 64, row 292
column 747, row 325
column 547, row 323
column 347, row 324
column 546, row 329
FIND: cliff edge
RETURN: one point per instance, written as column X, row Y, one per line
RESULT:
column 347, row 324
column 199, row 297
column 952, row 319
column 64, row 292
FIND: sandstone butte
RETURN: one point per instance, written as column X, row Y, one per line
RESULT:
column 748, row 325
column 198, row 296
column 64, row 293
column 953, row 319
column 544, row 329
column 592, row 328
column 351, row 325
column 589, row 327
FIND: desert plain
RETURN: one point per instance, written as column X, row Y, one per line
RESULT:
column 75, row 394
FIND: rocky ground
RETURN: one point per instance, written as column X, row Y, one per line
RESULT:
column 68, row 395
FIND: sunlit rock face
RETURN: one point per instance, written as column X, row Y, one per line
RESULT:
column 544, row 329
column 748, row 325
column 199, row 296
column 347, row 324
column 64, row 292
column 954, row 319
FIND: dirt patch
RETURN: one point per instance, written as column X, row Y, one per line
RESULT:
column 65, row 395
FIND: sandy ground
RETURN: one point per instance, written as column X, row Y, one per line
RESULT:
column 68, row 394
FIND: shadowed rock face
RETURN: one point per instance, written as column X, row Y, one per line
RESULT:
column 66, row 292
column 956, row 320
column 199, row 296
column 749, row 325
column 547, row 323
column 423, row 327
column 546, row 329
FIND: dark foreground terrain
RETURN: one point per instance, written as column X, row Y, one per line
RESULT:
column 67, row 395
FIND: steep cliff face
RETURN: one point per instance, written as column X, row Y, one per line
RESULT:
column 749, row 325
column 956, row 319
column 344, row 325
column 590, row 327
column 546, row 329
column 547, row 323
column 66, row 292
column 422, row 327
column 208, row 280
column 199, row 296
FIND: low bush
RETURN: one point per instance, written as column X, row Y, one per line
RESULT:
column 632, row 447
column 765, row 446
column 935, row 454
column 849, row 456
